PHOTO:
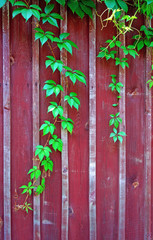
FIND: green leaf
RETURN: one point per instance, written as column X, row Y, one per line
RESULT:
column 115, row 105
column 115, row 130
column 122, row 133
column 89, row 3
column 17, row 11
column 53, row 21
column 41, row 187
column 26, row 13
column 56, row 110
column 42, row 151
column 56, row 15
column 117, row 114
column 36, row 13
column 111, row 122
column 72, row 43
column 49, row 8
column 67, row 123
column 2, row 3
column 120, row 139
column 20, row 3
column 119, row 120
column 116, row 123
column 133, row 53
column 48, row 164
column 123, row 5
column 35, row 7
column 56, row 143
column 47, row 128
column 34, row 172
column 72, row 100
column 110, row 3
column 140, row 45
column 62, row 2
column 112, row 134
column 73, row 5
column 47, row 1
column 115, row 138
column 79, row 12
column 86, row 9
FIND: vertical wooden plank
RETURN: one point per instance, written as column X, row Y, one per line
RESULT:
column 122, row 151
column 78, row 153
column 35, row 114
column 147, row 148
column 64, row 137
column 21, row 122
column 107, row 150
column 135, row 142
column 51, row 202
column 92, row 127
column 6, row 122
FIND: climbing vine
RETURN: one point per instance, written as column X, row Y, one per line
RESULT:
column 117, row 12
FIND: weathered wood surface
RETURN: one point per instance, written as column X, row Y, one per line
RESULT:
column 98, row 190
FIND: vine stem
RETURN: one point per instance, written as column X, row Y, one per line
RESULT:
column 27, row 3
column 26, row 199
column 55, row 121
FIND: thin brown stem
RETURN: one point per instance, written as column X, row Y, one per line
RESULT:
column 27, row 3
column 26, row 199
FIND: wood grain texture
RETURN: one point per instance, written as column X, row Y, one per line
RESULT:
column 92, row 127
column 79, row 139
column 99, row 189
column 107, row 150
column 148, row 148
column 21, row 122
column 51, row 199
column 64, row 137
column 135, row 142
column 122, row 150
column 6, row 123
column 35, row 115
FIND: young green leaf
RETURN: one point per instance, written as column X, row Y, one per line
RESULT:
column 67, row 123
column 48, row 127
column 55, row 109
column 42, row 151
column 51, row 87
column 34, row 172
column 48, row 164
column 56, row 143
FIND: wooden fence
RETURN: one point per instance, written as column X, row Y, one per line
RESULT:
column 98, row 189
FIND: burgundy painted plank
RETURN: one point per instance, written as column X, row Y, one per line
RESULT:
column 1, row 131
column 107, row 150
column 122, row 151
column 135, row 127
column 151, row 159
column 79, row 140
column 21, row 123
column 6, row 123
column 147, row 149
column 35, row 115
column 64, row 137
column 92, row 127
column 51, row 198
